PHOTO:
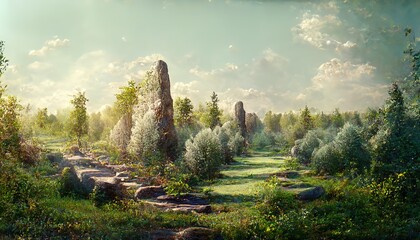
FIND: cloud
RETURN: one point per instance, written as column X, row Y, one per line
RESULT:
column 50, row 45
column 338, row 73
column 344, row 84
column 39, row 65
column 313, row 29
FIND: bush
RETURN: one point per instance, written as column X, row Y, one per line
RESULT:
column 262, row 140
column 327, row 160
column 204, row 155
column 273, row 200
column 307, row 145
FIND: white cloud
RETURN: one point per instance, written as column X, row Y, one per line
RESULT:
column 313, row 29
column 50, row 45
column 336, row 73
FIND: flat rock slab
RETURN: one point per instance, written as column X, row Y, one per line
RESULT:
column 184, row 204
column 91, row 173
column 191, row 233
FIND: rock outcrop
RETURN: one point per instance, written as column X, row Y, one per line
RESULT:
column 240, row 118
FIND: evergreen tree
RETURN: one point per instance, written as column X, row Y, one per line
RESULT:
column 183, row 112
column 214, row 113
column 306, row 120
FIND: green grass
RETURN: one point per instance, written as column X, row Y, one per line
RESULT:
column 52, row 143
column 241, row 178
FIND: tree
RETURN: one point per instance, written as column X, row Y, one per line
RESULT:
column 306, row 120
column 183, row 111
column 9, row 116
column 214, row 113
column 337, row 120
column 42, row 118
column 272, row 122
column 395, row 146
column 78, row 117
column 127, row 98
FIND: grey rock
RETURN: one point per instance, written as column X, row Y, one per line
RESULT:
column 311, row 194
column 149, row 192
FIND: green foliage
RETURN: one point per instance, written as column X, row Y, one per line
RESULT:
column 347, row 153
column 183, row 114
column 3, row 61
column 262, row 140
column 177, row 187
column 9, row 115
column 79, row 125
column 204, row 154
column 396, row 146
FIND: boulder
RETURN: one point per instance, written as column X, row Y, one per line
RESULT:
column 311, row 194
column 54, row 157
column 149, row 192
column 198, row 233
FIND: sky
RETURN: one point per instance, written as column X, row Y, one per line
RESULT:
column 272, row 55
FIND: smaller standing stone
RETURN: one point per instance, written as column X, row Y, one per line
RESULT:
column 240, row 117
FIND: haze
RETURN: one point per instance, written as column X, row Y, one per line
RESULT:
column 272, row 55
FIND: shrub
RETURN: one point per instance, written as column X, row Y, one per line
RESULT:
column 203, row 154
column 352, row 151
column 144, row 138
column 273, row 200
column 326, row 160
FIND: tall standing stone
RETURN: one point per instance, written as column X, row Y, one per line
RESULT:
column 164, row 112
column 240, row 118
column 155, row 97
